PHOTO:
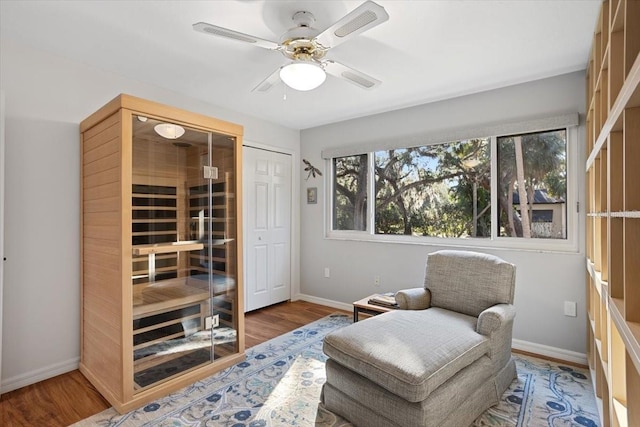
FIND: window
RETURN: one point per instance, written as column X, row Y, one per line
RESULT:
column 441, row 190
column 350, row 195
column 532, row 178
column 512, row 187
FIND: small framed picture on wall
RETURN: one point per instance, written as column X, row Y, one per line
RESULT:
column 312, row 195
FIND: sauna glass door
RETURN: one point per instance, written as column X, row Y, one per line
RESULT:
column 183, row 249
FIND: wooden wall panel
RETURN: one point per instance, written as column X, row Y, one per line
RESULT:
column 101, row 192
column 101, row 144
column 101, row 275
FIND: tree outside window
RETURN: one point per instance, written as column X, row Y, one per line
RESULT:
column 438, row 190
column 532, row 177
column 350, row 192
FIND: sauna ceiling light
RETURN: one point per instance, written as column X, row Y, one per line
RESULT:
column 169, row 130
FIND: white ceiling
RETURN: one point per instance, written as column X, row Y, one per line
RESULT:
column 426, row 51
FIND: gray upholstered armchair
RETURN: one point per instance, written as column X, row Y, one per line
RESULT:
column 441, row 360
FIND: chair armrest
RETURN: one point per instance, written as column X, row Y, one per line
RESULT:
column 413, row 299
column 494, row 318
column 496, row 323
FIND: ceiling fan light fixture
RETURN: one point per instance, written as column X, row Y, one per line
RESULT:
column 169, row 130
column 302, row 76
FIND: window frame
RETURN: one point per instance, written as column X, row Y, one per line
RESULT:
column 570, row 244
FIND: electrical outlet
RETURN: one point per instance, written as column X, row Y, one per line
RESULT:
column 327, row 272
column 211, row 322
column 376, row 281
column 570, row 308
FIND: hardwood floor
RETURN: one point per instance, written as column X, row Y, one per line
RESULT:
column 69, row 398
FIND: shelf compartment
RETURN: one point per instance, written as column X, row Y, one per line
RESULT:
column 631, row 156
column 629, row 332
column 597, row 46
column 605, row 334
column 602, row 29
column 604, row 93
column 597, row 208
column 618, row 373
column 633, row 390
column 615, row 170
column 616, row 67
column 590, row 176
column 620, row 412
column 601, row 388
column 631, row 271
column 603, row 219
column 616, row 257
column 617, row 18
column 632, row 34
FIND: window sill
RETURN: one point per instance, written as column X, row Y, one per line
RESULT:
column 502, row 243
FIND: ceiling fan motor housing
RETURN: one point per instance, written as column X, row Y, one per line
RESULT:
column 298, row 42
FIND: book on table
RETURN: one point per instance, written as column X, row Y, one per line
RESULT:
column 384, row 300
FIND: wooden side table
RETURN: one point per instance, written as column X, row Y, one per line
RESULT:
column 362, row 306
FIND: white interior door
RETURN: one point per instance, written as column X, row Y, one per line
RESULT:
column 267, row 201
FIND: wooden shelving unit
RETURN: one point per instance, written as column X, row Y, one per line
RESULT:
column 152, row 284
column 613, row 212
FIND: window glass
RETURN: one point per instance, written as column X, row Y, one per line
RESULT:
column 350, row 176
column 512, row 190
column 441, row 190
column 532, row 178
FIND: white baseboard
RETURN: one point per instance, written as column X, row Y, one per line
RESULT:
column 554, row 352
column 322, row 301
column 530, row 347
column 37, row 375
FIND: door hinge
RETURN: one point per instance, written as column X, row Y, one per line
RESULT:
column 578, row 207
column 210, row 172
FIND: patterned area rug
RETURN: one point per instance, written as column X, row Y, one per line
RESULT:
column 279, row 385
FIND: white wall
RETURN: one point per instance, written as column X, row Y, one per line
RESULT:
column 46, row 98
column 544, row 280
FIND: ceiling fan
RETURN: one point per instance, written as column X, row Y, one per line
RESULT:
column 306, row 48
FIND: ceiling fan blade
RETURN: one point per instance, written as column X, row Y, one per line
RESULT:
column 362, row 18
column 214, row 30
column 349, row 74
column 269, row 82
